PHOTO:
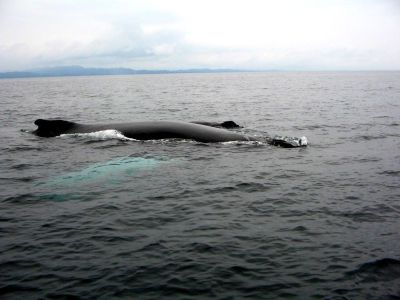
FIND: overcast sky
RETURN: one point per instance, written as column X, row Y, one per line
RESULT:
column 181, row 34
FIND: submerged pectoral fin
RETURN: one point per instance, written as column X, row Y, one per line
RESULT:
column 110, row 172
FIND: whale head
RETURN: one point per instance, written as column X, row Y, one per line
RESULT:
column 50, row 128
column 288, row 142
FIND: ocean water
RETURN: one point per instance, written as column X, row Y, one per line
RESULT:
column 98, row 216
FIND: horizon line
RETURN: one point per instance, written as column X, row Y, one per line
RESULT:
column 77, row 70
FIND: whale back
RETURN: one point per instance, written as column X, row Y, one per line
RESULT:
column 51, row 128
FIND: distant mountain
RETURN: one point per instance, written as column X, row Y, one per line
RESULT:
column 81, row 71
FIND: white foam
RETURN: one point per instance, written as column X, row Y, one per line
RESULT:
column 303, row 141
column 251, row 143
column 111, row 134
column 102, row 135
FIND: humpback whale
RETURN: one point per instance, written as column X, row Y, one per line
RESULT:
column 205, row 132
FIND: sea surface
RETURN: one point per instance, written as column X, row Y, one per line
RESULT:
column 98, row 216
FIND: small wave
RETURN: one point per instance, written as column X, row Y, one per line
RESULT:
column 21, row 166
column 385, row 269
column 12, row 289
column 30, row 198
column 251, row 187
column 371, row 137
column 19, row 148
column 362, row 216
column 318, row 126
column 245, row 187
column 394, row 173
column 380, row 117
column 21, row 198
column 367, row 159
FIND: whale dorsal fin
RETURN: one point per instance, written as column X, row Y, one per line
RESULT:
column 50, row 128
column 229, row 124
column 225, row 124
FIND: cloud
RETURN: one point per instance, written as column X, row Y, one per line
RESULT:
column 254, row 34
column 51, row 32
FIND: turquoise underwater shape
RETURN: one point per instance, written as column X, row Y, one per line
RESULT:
column 110, row 172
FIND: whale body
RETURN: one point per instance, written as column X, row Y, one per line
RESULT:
column 154, row 130
column 144, row 130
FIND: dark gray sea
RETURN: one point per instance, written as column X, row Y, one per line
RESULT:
column 97, row 216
